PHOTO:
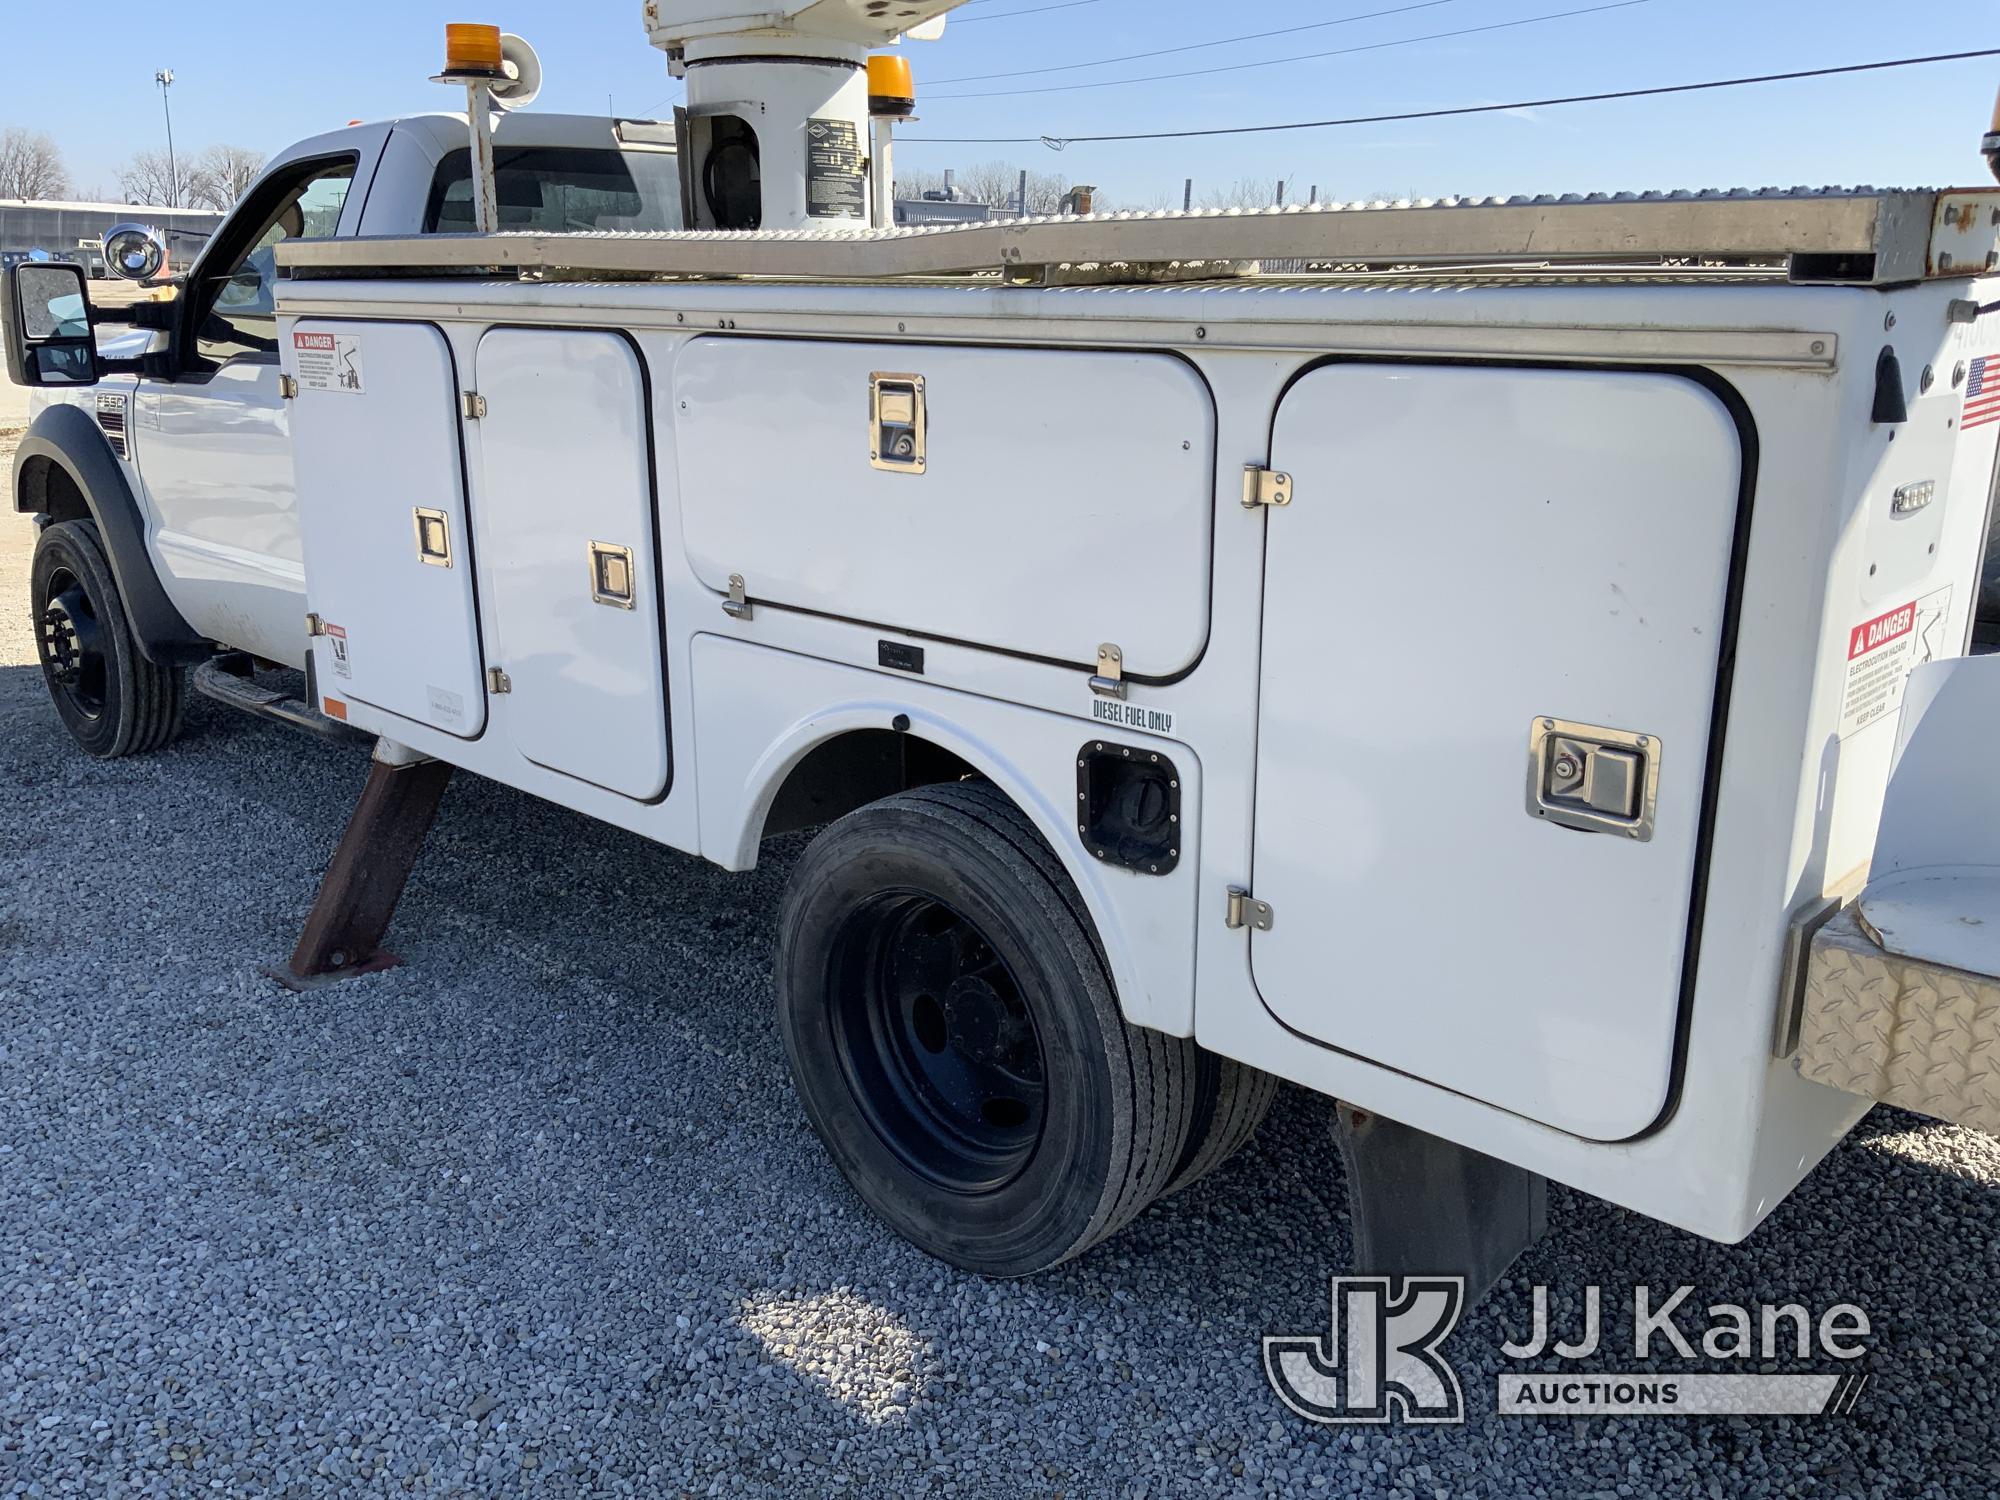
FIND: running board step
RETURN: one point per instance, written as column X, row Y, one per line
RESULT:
column 227, row 680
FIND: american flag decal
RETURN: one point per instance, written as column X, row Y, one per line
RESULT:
column 1982, row 393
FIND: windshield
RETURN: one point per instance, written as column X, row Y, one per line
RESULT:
column 559, row 189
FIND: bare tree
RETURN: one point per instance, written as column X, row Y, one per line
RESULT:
column 30, row 165
column 221, row 175
column 914, row 184
column 1245, row 192
column 999, row 183
column 151, row 177
column 994, row 183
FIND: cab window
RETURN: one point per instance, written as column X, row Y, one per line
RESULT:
column 561, row 189
column 236, row 308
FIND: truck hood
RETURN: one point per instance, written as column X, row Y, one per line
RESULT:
column 127, row 343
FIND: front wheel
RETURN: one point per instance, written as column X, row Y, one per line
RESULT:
column 111, row 699
column 954, row 1037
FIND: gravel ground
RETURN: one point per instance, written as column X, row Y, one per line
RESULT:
column 539, row 1213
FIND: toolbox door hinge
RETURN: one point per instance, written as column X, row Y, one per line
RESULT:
column 315, row 626
column 1109, row 681
column 472, row 404
column 1246, row 911
column 737, row 605
column 1262, row 486
column 288, row 386
column 497, row 680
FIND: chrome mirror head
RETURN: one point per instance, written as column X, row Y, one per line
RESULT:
column 134, row 251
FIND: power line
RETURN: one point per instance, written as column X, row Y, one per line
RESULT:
column 1271, row 62
column 1254, row 36
column 1059, row 142
column 1008, row 15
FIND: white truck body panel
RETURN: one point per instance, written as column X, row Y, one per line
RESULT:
column 400, row 628
column 1057, row 463
column 1793, row 364
column 587, row 689
column 1468, row 550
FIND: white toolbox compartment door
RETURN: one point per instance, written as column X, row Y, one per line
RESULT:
column 1065, row 497
column 375, row 448
column 1469, row 552
column 567, row 554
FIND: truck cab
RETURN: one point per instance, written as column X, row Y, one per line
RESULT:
column 200, row 438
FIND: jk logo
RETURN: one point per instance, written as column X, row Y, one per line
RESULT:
column 1380, row 1358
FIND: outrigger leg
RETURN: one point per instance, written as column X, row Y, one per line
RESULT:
column 359, row 892
column 1424, row 1206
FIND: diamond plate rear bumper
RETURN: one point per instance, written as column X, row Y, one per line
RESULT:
column 1903, row 1031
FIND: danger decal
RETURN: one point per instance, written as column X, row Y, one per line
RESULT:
column 336, row 643
column 327, row 361
column 1881, row 652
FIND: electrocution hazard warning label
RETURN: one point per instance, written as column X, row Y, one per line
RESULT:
column 1881, row 652
column 327, row 361
column 336, row 643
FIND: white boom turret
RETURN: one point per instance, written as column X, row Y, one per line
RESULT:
column 775, row 132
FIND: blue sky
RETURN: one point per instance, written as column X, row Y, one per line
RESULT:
column 264, row 76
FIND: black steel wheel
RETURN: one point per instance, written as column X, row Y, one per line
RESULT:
column 954, row 1036
column 939, row 1045
column 110, row 697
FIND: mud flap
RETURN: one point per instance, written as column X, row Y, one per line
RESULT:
column 1422, row 1206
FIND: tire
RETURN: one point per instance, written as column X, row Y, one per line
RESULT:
column 1230, row 1102
column 111, row 699
column 1012, row 1119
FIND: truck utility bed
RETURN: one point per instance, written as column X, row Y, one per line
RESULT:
column 1485, row 574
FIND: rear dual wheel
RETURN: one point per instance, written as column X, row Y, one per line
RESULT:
column 954, row 1036
column 111, row 699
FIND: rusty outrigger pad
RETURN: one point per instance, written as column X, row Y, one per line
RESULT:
column 358, row 894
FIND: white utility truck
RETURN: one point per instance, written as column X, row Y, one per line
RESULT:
column 1450, row 655
column 179, row 456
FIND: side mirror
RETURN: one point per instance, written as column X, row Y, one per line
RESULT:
column 46, row 313
column 134, row 251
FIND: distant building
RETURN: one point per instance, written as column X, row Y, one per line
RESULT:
column 45, row 224
column 928, row 210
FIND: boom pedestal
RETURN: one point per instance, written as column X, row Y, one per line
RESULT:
column 359, row 892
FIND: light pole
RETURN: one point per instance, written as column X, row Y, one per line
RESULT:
column 165, row 79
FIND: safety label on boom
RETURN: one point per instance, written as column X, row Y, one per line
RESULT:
column 327, row 361
column 836, row 179
column 1880, row 653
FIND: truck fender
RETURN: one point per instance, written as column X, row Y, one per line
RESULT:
column 737, row 816
column 64, row 441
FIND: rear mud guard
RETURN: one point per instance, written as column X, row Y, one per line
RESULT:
column 1424, row 1206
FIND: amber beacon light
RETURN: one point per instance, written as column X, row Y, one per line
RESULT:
column 498, row 71
column 472, row 51
column 890, row 89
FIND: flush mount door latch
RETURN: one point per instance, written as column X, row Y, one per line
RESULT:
column 433, row 537
column 1594, row 779
column 612, row 581
column 896, row 423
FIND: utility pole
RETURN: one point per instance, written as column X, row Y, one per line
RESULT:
column 1281, row 194
column 1187, row 196
column 165, row 79
column 1021, row 199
